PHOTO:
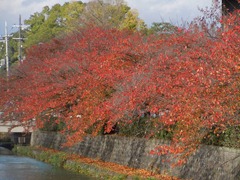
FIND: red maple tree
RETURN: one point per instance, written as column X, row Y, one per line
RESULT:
column 98, row 77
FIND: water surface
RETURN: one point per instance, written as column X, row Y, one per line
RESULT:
column 23, row 168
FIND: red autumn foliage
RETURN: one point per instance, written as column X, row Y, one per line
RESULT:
column 102, row 76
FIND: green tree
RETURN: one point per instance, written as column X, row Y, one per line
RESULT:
column 133, row 22
column 59, row 20
column 112, row 14
column 107, row 13
column 36, row 23
column 162, row 28
column 52, row 22
column 71, row 15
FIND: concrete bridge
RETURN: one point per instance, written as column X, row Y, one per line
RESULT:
column 14, row 127
column 20, row 133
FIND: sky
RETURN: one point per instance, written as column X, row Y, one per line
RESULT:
column 174, row 11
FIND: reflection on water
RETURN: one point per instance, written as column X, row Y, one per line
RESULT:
column 22, row 168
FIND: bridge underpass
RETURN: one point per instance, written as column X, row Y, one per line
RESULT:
column 17, row 133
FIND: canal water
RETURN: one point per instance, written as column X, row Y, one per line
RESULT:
column 23, row 168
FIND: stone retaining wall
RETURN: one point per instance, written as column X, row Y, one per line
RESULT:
column 208, row 162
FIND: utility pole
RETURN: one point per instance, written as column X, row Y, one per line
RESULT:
column 6, row 41
column 6, row 46
column 19, row 39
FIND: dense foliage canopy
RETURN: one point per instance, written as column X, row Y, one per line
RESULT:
column 98, row 77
